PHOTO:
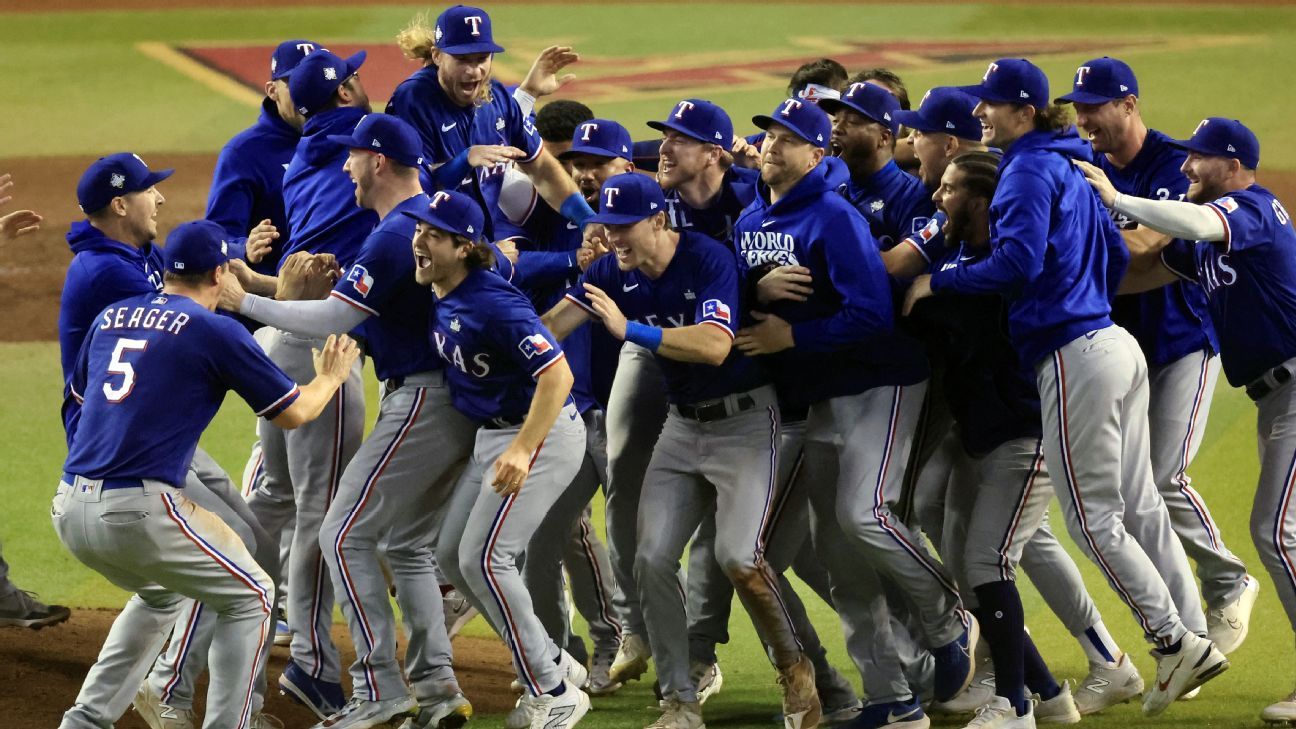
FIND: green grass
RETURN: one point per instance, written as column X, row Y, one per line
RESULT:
column 74, row 84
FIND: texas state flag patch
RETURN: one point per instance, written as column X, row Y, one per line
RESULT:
column 534, row 344
column 1228, row 203
column 360, row 280
column 716, row 309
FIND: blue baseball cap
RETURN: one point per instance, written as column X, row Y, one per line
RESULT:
column 194, row 247
column 453, row 212
column 944, row 109
column 288, row 54
column 602, row 138
column 386, row 135
column 868, row 99
column 1220, row 137
column 114, row 176
column 628, row 198
column 699, row 119
column 1012, row 81
column 1101, row 80
column 314, row 81
column 462, row 30
column 806, row 120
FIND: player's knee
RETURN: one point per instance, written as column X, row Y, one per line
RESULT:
column 651, row 561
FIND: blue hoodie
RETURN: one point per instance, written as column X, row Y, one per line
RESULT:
column 845, row 335
column 319, row 196
column 1055, row 252
column 247, row 186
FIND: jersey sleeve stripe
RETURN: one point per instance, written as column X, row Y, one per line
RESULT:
column 278, row 406
column 549, row 364
column 353, row 302
column 917, row 247
column 535, row 156
column 1228, row 232
column 719, row 326
column 581, row 304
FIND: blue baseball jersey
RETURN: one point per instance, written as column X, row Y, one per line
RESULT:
column 699, row 286
column 716, row 220
column 990, row 392
column 247, row 186
column 845, row 334
column 381, row 284
column 319, row 196
column 1249, row 280
column 494, row 345
column 930, row 241
column 152, row 375
column 546, row 268
column 895, row 203
column 448, row 129
column 1170, row 322
column 1054, row 249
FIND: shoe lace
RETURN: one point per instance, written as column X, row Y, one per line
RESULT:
column 984, row 715
column 350, row 707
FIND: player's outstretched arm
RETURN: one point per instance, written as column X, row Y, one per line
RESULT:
column 1174, row 218
column 552, row 388
column 563, row 319
column 705, row 343
column 332, row 367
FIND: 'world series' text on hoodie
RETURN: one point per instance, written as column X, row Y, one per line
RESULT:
column 1056, row 254
column 319, row 195
column 844, row 332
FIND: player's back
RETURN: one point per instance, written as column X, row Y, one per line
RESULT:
column 151, row 376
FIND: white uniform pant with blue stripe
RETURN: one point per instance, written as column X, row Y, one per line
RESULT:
column 154, row 542
column 1094, row 398
column 1180, row 398
column 483, row 534
column 728, row 467
column 1273, row 516
column 393, row 490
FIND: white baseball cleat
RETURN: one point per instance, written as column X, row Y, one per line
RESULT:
column 522, row 713
column 1227, row 626
column 1190, row 695
column 707, row 679
column 976, row 695
column 1196, row 662
column 159, row 715
column 560, row 712
column 576, row 671
column 361, row 714
column 1060, row 709
column 631, row 660
column 1282, row 712
column 1106, row 687
column 1000, row 714
column 678, row 715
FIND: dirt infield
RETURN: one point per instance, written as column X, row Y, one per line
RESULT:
column 50, row 664
column 32, row 268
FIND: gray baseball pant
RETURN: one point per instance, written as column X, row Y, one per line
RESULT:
column 312, row 459
column 728, row 467
column 1094, row 397
column 155, row 542
column 566, row 538
column 484, row 534
column 635, row 415
column 394, row 487
column 1179, row 402
column 1273, row 521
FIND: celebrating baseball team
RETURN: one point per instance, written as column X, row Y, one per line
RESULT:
column 868, row 344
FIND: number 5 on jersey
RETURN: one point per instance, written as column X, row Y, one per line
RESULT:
column 119, row 366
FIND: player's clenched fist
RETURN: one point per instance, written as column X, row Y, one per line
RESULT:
column 260, row 241
column 511, row 469
column 594, row 245
column 335, row 359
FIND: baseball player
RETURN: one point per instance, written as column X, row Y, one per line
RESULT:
column 1174, row 330
column 1235, row 239
column 402, row 474
column 507, row 374
column 547, row 265
column 1000, row 487
column 676, row 295
column 319, row 200
column 895, row 203
column 867, row 389
column 1057, row 253
column 470, row 126
column 149, row 372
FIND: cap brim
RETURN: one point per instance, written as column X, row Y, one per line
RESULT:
column 596, row 151
column 346, row 140
column 832, row 106
column 355, row 62
column 764, row 122
column 1187, row 144
column 467, row 49
column 1084, row 97
column 915, row 120
column 618, row 218
column 155, row 177
column 669, row 126
column 978, row 91
column 426, row 216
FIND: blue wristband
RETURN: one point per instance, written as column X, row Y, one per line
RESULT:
column 449, row 175
column 575, row 209
column 643, row 335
